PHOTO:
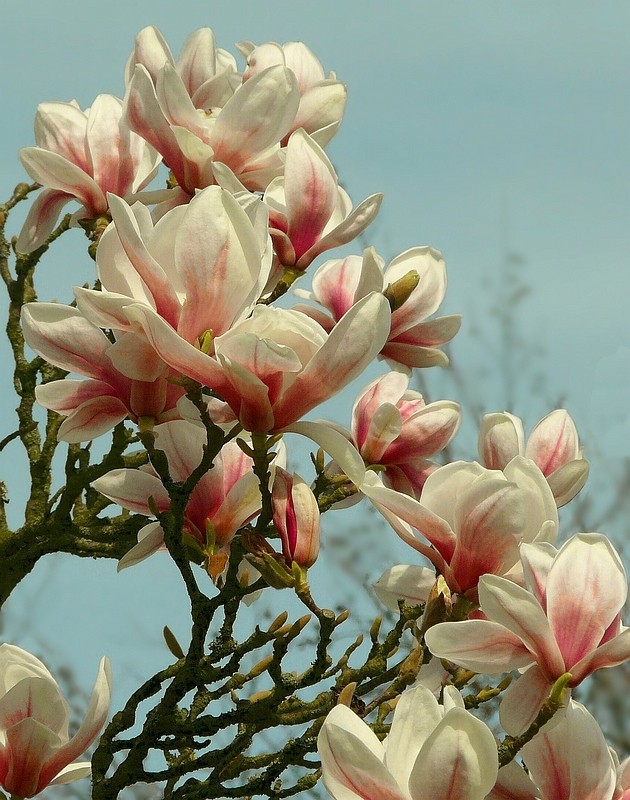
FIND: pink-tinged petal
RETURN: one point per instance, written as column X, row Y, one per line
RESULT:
column 183, row 444
column 428, row 294
column 335, row 284
column 66, row 396
column 446, row 484
column 253, row 406
column 36, row 697
column 41, row 219
column 404, row 581
column 97, row 713
column 219, row 262
column 522, row 701
column 322, row 106
column 156, row 280
column 215, row 92
column 92, row 419
column 515, row 608
column 353, row 225
column 143, row 114
column 73, row 772
column 178, row 353
column 568, row 480
column 310, row 185
column 416, row 716
column 135, row 358
column 389, row 389
column 435, row 529
column 62, row 336
column 131, row 489
column 242, row 502
column 16, row 665
column 426, row 433
column 335, row 444
column 457, row 762
column 150, row 50
column 304, row 63
column 326, row 321
column 430, row 334
column 571, row 758
column 104, row 309
column 537, row 560
column 413, row 356
column 106, row 145
column 586, row 588
column 260, row 58
column 176, row 104
column 56, row 172
column 352, row 759
column 553, row 442
column 150, row 540
column 385, row 426
column 541, row 507
column 197, row 61
column 61, row 128
column 258, row 115
column 501, row 437
column 480, row 645
column 409, row 478
column 352, row 345
column 29, row 744
column 489, row 519
column 513, row 783
column 613, row 652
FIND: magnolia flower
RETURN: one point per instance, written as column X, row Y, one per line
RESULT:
column 413, row 340
column 225, row 498
column 309, row 212
column 201, row 267
column 568, row 758
column 82, row 155
column 322, row 99
column 195, row 113
column 553, row 445
column 35, row 748
column 392, row 426
column 296, row 517
column 432, row 751
column 277, row 365
column 473, row 519
column 567, row 619
column 125, row 378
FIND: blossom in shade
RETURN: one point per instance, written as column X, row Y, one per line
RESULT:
column 565, row 619
column 432, row 751
column 553, row 445
column 413, row 340
column 309, row 212
column 568, row 758
column 296, row 517
column 82, row 155
column 125, row 378
column 224, row 499
column 322, row 97
column 35, row 748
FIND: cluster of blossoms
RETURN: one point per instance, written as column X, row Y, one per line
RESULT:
column 180, row 337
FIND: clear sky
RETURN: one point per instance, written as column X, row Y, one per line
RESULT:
column 490, row 126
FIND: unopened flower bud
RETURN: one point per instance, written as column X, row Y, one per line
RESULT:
column 399, row 291
column 296, row 517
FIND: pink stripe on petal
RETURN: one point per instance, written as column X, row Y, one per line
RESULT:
column 41, row 219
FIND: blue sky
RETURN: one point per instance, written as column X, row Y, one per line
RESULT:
column 488, row 125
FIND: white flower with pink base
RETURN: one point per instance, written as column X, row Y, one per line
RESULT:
column 566, row 619
column 36, row 750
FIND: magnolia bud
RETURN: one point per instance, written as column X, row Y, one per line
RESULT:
column 296, row 517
